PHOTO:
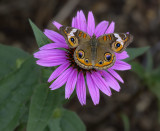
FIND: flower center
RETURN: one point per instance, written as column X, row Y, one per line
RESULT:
column 70, row 55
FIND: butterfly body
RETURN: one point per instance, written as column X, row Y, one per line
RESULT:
column 93, row 52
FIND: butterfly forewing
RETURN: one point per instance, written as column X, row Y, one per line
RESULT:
column 74, row 37
column 116, row 42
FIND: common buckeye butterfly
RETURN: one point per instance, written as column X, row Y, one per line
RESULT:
column 95, row 53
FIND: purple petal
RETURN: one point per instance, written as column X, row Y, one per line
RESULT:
column 101, row 83
column 122, row 55
column 90, row 24
column 53, row 46
column 48, row 53
column 61, row 80
column 57, row 25
column 58, row 71
column 110, row 29
column 77, row 18
column 93, row 90
column 48, row 63
column 73, row 22
column 54, row 36
column 115, row 74
column 71, row 83
column 111, row 81
column 83, row 24
column 121, row 65
column 54, row 58
column 101, row 28
column 81, row 89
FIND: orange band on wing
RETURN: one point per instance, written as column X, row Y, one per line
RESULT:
column 105, row 38
column 105, row 63
column 84, row 36
column 80, row 33
column 118, row 49
column 110, row 38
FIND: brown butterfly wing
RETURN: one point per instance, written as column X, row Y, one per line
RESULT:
column 107, row 44
column 74, row 37
column 105, row 57
column 116, row 42
column 83, row 56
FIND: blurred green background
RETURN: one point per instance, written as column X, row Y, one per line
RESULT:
column 137, row 106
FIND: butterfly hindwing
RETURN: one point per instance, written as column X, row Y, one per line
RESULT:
column 105, row 58
column 83, row 56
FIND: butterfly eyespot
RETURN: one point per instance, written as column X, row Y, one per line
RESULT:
column 100, row 62
column 86, row 61
column 108, row 56
column 72, row 39
column 118, row 45
column 80, row 54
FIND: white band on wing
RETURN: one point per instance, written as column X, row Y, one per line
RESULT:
column 71, row 33
column 119, row 39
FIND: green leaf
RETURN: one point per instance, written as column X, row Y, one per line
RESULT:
column 44, row 101
column 155, row 88
column 135, row 52
column 149, row 62
column 8, row 57
column 46, row 72
column 155, row 74
column 21, row 127
column 54, row 124
column 125, row 120
column 39, row 35
column 138, row 69
column 72, row 122
column 16, row 89
column 65, row 120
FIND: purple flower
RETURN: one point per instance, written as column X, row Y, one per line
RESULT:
column 70, row 73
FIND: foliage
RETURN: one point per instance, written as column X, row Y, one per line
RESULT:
column 125, row 120
column 25, row 99
column 149, row 76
